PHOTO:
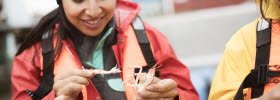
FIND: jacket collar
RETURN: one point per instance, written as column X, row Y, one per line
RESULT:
column 125, row 13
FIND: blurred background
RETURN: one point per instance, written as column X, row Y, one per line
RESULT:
column 197, row 29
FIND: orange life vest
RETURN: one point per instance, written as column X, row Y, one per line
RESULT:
column 131, row 56
column 266, row 74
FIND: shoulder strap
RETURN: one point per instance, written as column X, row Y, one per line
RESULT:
column 263, row 52
column 46, row 84
column 257, row 78
column 144, row 43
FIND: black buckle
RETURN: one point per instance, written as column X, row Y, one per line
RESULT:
column 264, row 74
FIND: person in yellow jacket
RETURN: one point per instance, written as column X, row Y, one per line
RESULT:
column 239, row 56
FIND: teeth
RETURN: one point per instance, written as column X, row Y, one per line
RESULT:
column 93, row 22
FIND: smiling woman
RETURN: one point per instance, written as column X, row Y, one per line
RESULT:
column 58, row 56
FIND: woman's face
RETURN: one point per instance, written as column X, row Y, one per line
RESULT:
column 89, row 16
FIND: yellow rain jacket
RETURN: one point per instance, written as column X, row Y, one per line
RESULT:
column 239, row 56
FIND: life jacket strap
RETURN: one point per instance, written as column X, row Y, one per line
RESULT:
column 145, row 46
column 47, row 82
column 260, row 75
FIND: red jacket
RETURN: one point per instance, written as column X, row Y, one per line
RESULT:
column 27, row 76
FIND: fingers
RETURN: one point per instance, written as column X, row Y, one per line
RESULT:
column 153, row 95
column 158, row 89
column 72, row 79
column 70, row 90
column 62, row 97
column 76, row 72
column 140, row 98
column 169, row 98
column 143, row 78
column 70, row 84
column 77, row 79
column 162, row 85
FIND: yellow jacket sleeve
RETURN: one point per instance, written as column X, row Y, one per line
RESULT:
column 236, row 63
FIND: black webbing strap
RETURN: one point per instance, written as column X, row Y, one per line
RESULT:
column 249, row 81
column 46, row 83
column 259, row 76
column 144, row 45
column 58, row 2
column 262, row 56
column 256, row 78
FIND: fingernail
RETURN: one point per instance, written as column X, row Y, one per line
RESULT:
column 89, row 72
column 150, row 87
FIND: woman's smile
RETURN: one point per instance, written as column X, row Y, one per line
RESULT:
column 89, row 16
column 92, row 24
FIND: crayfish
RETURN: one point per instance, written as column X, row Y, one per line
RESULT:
column 142, row 80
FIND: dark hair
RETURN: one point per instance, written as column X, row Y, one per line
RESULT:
column 263, row 9
column 48, row 23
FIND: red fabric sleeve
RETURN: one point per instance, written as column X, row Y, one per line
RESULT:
column 24, row 75
column 172, row 68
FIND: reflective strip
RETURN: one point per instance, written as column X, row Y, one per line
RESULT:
column 46, row 35
column 137, row 24
column 263, row 24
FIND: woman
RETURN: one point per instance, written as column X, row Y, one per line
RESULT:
column 58, row 56
column 248, row 55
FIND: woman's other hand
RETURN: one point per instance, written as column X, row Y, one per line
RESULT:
column 159, row 89
column 68, row 85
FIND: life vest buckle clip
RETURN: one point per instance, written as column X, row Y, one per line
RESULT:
column 265, row 74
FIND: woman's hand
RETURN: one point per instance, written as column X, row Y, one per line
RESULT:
column 159, row 89
column 68, row 85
